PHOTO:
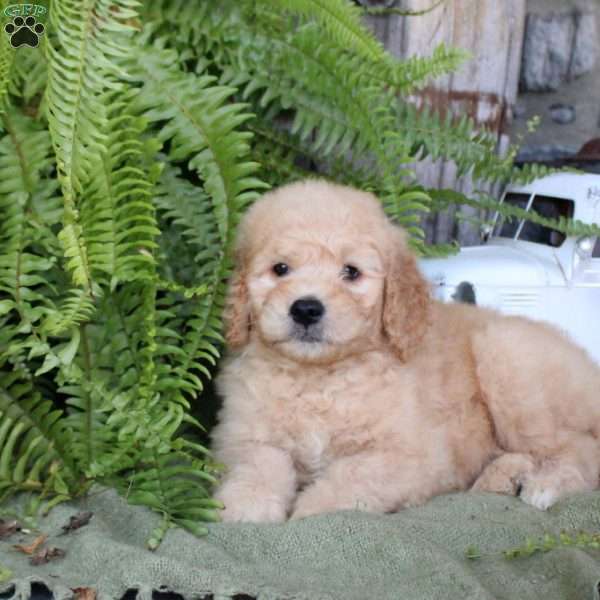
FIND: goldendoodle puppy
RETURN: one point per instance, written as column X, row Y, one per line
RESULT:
column 350, row 388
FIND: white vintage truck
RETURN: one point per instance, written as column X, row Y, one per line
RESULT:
column 528, row 269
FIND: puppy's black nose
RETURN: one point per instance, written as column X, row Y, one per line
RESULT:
column 307, row 311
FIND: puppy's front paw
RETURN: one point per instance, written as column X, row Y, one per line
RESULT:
column 261, row 511
column 319, row 498
column 305, row 509
column 242, row 504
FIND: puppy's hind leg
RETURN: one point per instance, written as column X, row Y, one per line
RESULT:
column 574, row 468
column 541, row 394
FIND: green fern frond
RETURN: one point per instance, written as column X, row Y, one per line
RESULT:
column 7, row 56
column 175, row 484
column 340, row 18
column 26, row 283
column 94, row 441
column 474, row 151
column 34, row 445
column 206, row 33
column 456, row 139
column 414, row 72
column 75, row 251
column 29, row 77
column 76, row 308
column 108, row 383
column 303, row 70
column 186, row 213
column 24, row 154
column 439, row 250
column 202, row 127
column 281, row 154
column 83, row 66
column 526, row 173
column 188, row 336
column 124, row 348
column 85, row 43
column 444, row 198
column 117, row 214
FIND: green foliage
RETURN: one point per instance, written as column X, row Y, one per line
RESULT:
column 443, row 198
column 131, row 141
column 548, row 542
column 7, row 56
column 340, row 20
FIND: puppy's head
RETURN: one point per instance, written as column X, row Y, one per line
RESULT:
column 321, row 274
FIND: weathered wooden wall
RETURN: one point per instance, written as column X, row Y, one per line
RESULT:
column 485, row 87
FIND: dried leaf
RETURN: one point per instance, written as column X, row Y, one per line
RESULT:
column 31, row 548
column 84, row 593
column 7, row 528
column 77, row 521
column 46, row 555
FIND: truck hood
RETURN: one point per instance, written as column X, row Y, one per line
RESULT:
column 493, row 265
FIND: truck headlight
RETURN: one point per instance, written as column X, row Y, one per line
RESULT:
column 585, row 246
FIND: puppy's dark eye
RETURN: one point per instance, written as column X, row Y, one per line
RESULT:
column 350, row 272
column 280, row 269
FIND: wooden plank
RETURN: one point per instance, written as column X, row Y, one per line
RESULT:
column 485, row 88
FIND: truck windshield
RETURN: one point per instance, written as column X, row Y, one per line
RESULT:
column 545, row 206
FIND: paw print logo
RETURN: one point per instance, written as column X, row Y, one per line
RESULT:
column 24, row 32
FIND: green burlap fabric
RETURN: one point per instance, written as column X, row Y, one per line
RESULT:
column 415, row 554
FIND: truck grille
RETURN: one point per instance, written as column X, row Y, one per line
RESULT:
column 519, row 302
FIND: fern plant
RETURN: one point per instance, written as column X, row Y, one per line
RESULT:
column 131, row 141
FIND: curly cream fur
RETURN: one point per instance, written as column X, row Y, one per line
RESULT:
column 403, row 398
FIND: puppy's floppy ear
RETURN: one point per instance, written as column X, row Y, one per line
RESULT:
column 407, row 303
column 236, row 315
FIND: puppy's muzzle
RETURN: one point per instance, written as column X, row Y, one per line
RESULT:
column 307, row 311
